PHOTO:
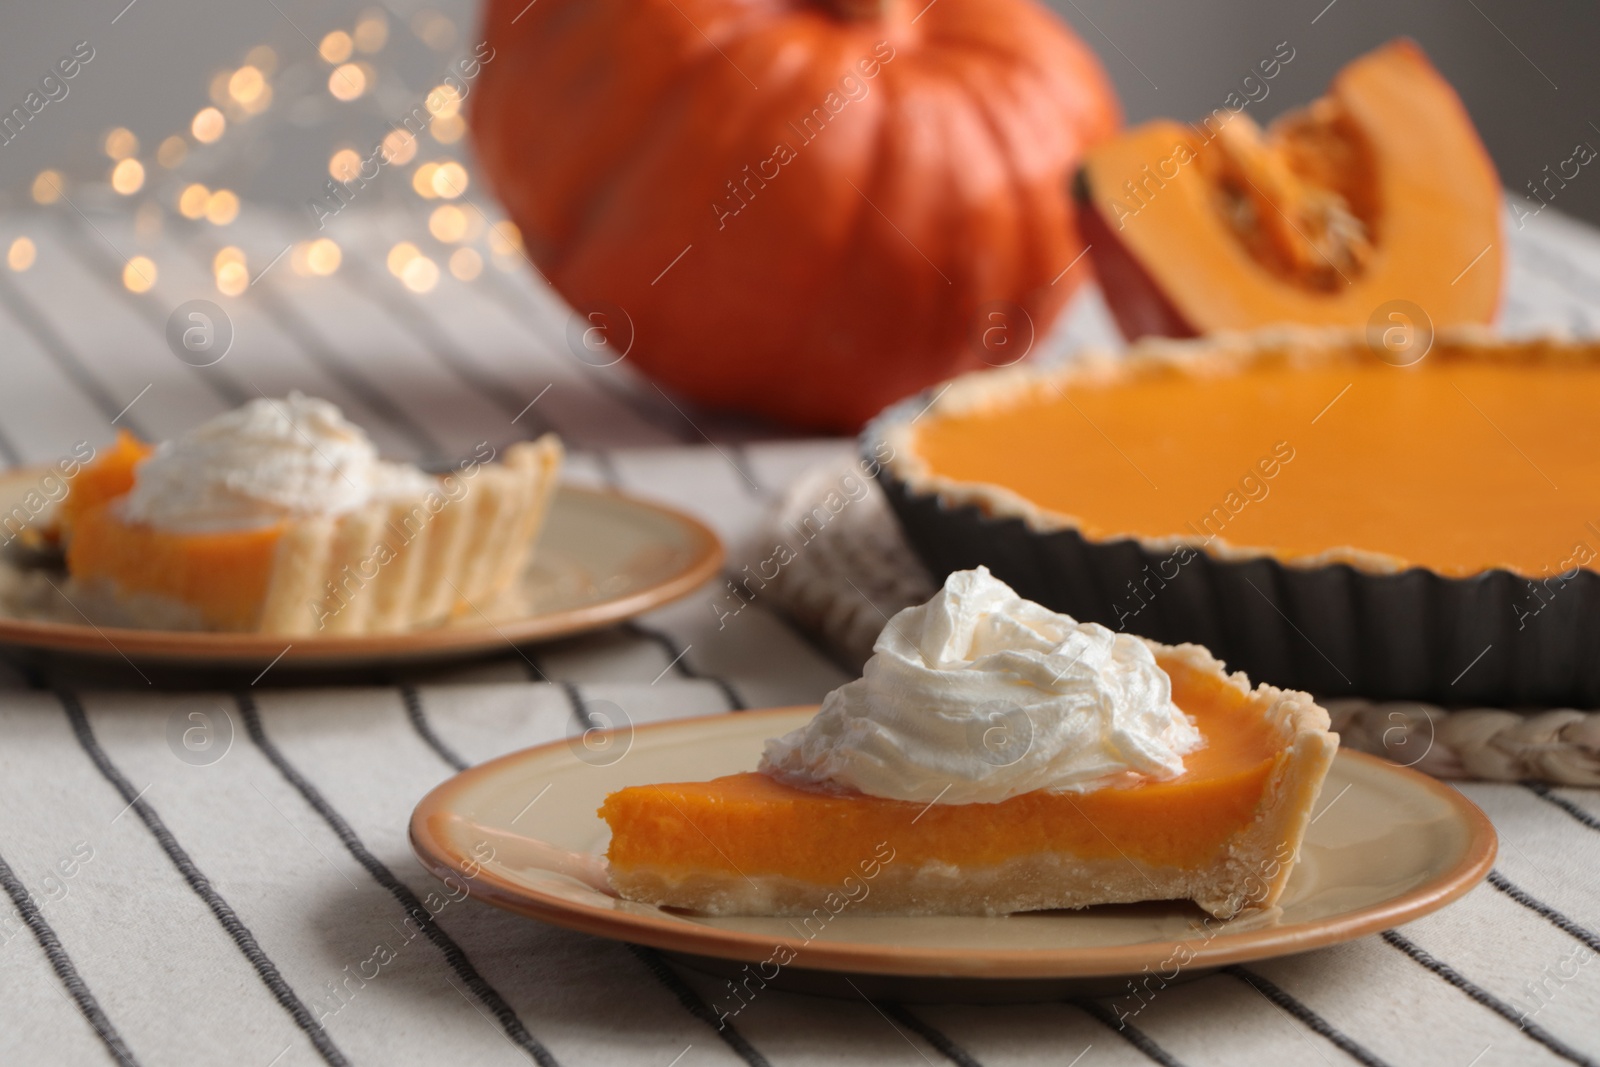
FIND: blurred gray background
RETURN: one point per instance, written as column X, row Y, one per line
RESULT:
column 1526, row 71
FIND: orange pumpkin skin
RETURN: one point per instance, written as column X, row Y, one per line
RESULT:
column 1393, row 145
column 804, row 215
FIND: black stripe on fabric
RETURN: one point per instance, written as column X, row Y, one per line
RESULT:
column 510, row 1023
column 8, row 450
column 685, row 994
column 432, row 339
column 606, row 379
column 1129, row 1033
column 1297, row 1008
column 941, row 1042
column 680, row 662
column 104, row 269
column 739, row 454
column 816, row 644
column 242, row 937
column 695, row 1005
column 800, row 633
column 1539, row 907
column 1544, row 792
column 65, row 360
column 1487, row 999
column 288, row 319
column 580, row 707
column 424, row 729
column 608, row 468
column 531, row 666
column 62, row 964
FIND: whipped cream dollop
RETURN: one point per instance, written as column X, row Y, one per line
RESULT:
column 261, row 463
column 980, row 695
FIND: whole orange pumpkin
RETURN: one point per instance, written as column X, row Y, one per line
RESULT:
column 806, row 208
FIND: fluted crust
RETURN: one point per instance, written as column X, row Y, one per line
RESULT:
column 407, row 562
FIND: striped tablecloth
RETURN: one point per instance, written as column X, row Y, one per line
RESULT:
column 253, row 910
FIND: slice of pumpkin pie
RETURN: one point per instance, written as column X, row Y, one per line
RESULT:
column 996, row 757
column 280, row 518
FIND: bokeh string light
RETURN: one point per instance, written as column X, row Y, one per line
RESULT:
column 120, row 143
column 127, row 177
column 248, row 87
column 47, row 187
column 399, row 147
column 139, row 274
column 466, row 264
column 21, row 254
column 347, row 82
column 372, row 31
column 422, row 180
column 173, row 151
column 450, row 180
column 336, row 47
column 344, row 165
column 420, row 275
column 323, row 257
column 208, row 126
column 192, row 201
column 197, row 175
column 232, row 273
column 448, row 223
column 222, row 207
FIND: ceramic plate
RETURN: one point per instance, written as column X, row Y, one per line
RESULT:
column 602, row 557
column 1387, row 846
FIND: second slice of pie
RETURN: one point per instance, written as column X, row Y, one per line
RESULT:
column 279, row 518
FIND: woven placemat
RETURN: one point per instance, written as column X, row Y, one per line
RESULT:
column 849, row 570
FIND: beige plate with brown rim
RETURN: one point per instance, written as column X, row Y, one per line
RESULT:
column 602, row 557
column 1391, row 845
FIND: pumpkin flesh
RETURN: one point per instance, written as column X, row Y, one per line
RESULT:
column 1377, row 192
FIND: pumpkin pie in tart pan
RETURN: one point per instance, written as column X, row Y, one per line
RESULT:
column 279, row 518
column 1315, row 515
column 996, row 757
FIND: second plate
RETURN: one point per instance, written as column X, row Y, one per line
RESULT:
column 603, row 557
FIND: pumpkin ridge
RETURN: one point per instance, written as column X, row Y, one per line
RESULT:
column 959, row 253
column 1031, row 238
column 562, row 47
column 679, row 104
column 855, row 237
column 608, row 194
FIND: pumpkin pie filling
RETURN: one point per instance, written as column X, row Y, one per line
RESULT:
column 754, row 824
column 1456, row 464
column 222, row 576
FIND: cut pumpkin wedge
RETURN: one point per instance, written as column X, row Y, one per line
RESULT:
column 1379, row 191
